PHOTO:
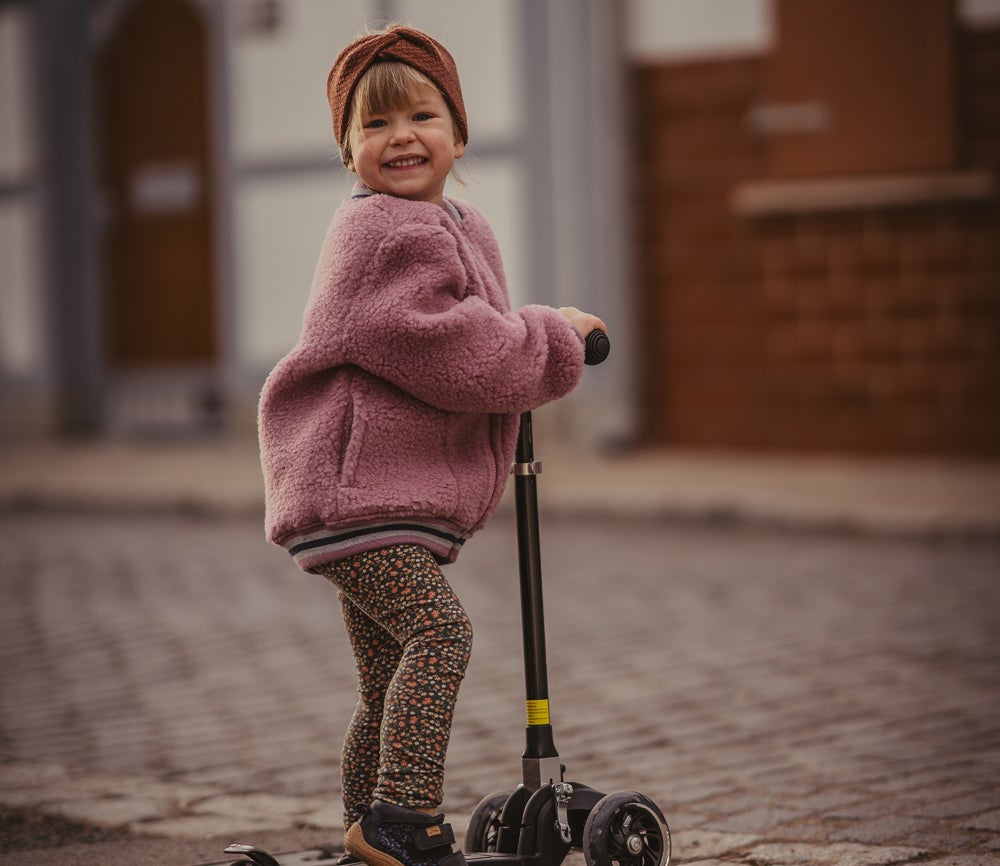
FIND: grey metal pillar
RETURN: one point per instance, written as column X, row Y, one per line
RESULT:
column 577, row 147
column 62, row 72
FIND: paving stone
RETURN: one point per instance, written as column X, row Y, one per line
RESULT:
column 881, row 856
column 122, row 785
column 946, row 789
column 968, row 860
column 755, row 820
column 923, row 783
column 25, row 774
column 881, row 830
column 29, row 798
column 736, row 803
column 957, row 807
column 830, row 802
column 985, row 821
column 941, row 840
column 331, row 816
column 709, row 862
column 256, row 805
column 110, row 812
column 708, row 844
column 872, row 808
column 205, row 826
column 67, row 786
column 313, row 778
column 843, row 854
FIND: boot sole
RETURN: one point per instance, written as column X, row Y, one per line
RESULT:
column 356, row 844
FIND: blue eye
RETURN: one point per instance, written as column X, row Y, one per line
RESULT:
column 423, row 115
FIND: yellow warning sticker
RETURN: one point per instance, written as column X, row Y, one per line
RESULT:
column 538, row 712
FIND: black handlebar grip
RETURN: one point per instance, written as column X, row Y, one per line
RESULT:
column 596, row 348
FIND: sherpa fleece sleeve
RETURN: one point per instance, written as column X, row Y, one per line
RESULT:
column 426, row 324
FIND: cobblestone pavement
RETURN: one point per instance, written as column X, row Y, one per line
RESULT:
column 786, row 697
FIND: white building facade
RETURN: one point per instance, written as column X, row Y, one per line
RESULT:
column 92, row 237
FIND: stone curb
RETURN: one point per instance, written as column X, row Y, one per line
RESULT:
column 939, row 524
column 918, row 497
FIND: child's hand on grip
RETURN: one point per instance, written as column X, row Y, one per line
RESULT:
column 583, row 322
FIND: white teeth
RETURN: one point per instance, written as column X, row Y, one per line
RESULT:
column 403, row 163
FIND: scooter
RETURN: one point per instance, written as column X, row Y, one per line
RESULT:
column 545, row 817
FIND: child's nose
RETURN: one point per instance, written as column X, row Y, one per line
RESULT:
column 402, row 132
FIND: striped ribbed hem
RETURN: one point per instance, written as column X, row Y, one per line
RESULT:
column 325, row 545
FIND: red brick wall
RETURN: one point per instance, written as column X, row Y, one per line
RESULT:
column 861, row 331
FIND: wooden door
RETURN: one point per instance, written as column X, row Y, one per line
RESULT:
column 154, row 163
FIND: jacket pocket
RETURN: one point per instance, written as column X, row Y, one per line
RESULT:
column 352, row 436
column 396, row 461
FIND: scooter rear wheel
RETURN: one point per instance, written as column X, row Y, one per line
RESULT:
column 628, row 829
column 485, row 823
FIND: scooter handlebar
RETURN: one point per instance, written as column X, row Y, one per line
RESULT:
column 596, row 348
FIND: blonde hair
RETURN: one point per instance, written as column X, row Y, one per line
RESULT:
column 384, row 86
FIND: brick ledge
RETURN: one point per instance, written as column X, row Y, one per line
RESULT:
column 770, row 198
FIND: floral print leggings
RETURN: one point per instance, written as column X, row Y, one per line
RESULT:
column 411, row 640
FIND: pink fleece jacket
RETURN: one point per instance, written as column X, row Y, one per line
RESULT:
column 395, row 417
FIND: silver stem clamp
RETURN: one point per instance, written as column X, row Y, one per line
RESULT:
column 532, row 468
column 564, row 793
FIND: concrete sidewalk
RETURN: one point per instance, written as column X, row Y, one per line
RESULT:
column 843, row 493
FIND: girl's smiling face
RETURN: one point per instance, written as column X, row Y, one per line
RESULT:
column 407, row 151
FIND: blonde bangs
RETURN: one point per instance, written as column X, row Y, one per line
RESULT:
column 384, row 87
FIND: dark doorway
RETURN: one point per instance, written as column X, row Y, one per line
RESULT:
column 160, row 329
column 154, row 144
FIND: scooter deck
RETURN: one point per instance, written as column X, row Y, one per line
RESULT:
column 310, row 857
column 327, row 857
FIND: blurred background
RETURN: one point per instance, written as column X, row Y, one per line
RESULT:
column 786, row 210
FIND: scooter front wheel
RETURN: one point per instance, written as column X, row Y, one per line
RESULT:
column 628, row 829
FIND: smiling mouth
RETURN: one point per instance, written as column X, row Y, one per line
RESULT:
column 406, row 163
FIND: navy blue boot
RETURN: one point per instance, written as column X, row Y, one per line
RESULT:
column 387, row 835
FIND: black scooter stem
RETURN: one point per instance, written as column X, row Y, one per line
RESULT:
column 540, row 761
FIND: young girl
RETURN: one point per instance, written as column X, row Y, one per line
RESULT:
column 388, row 432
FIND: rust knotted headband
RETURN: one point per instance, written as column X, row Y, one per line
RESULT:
column 407, row 45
